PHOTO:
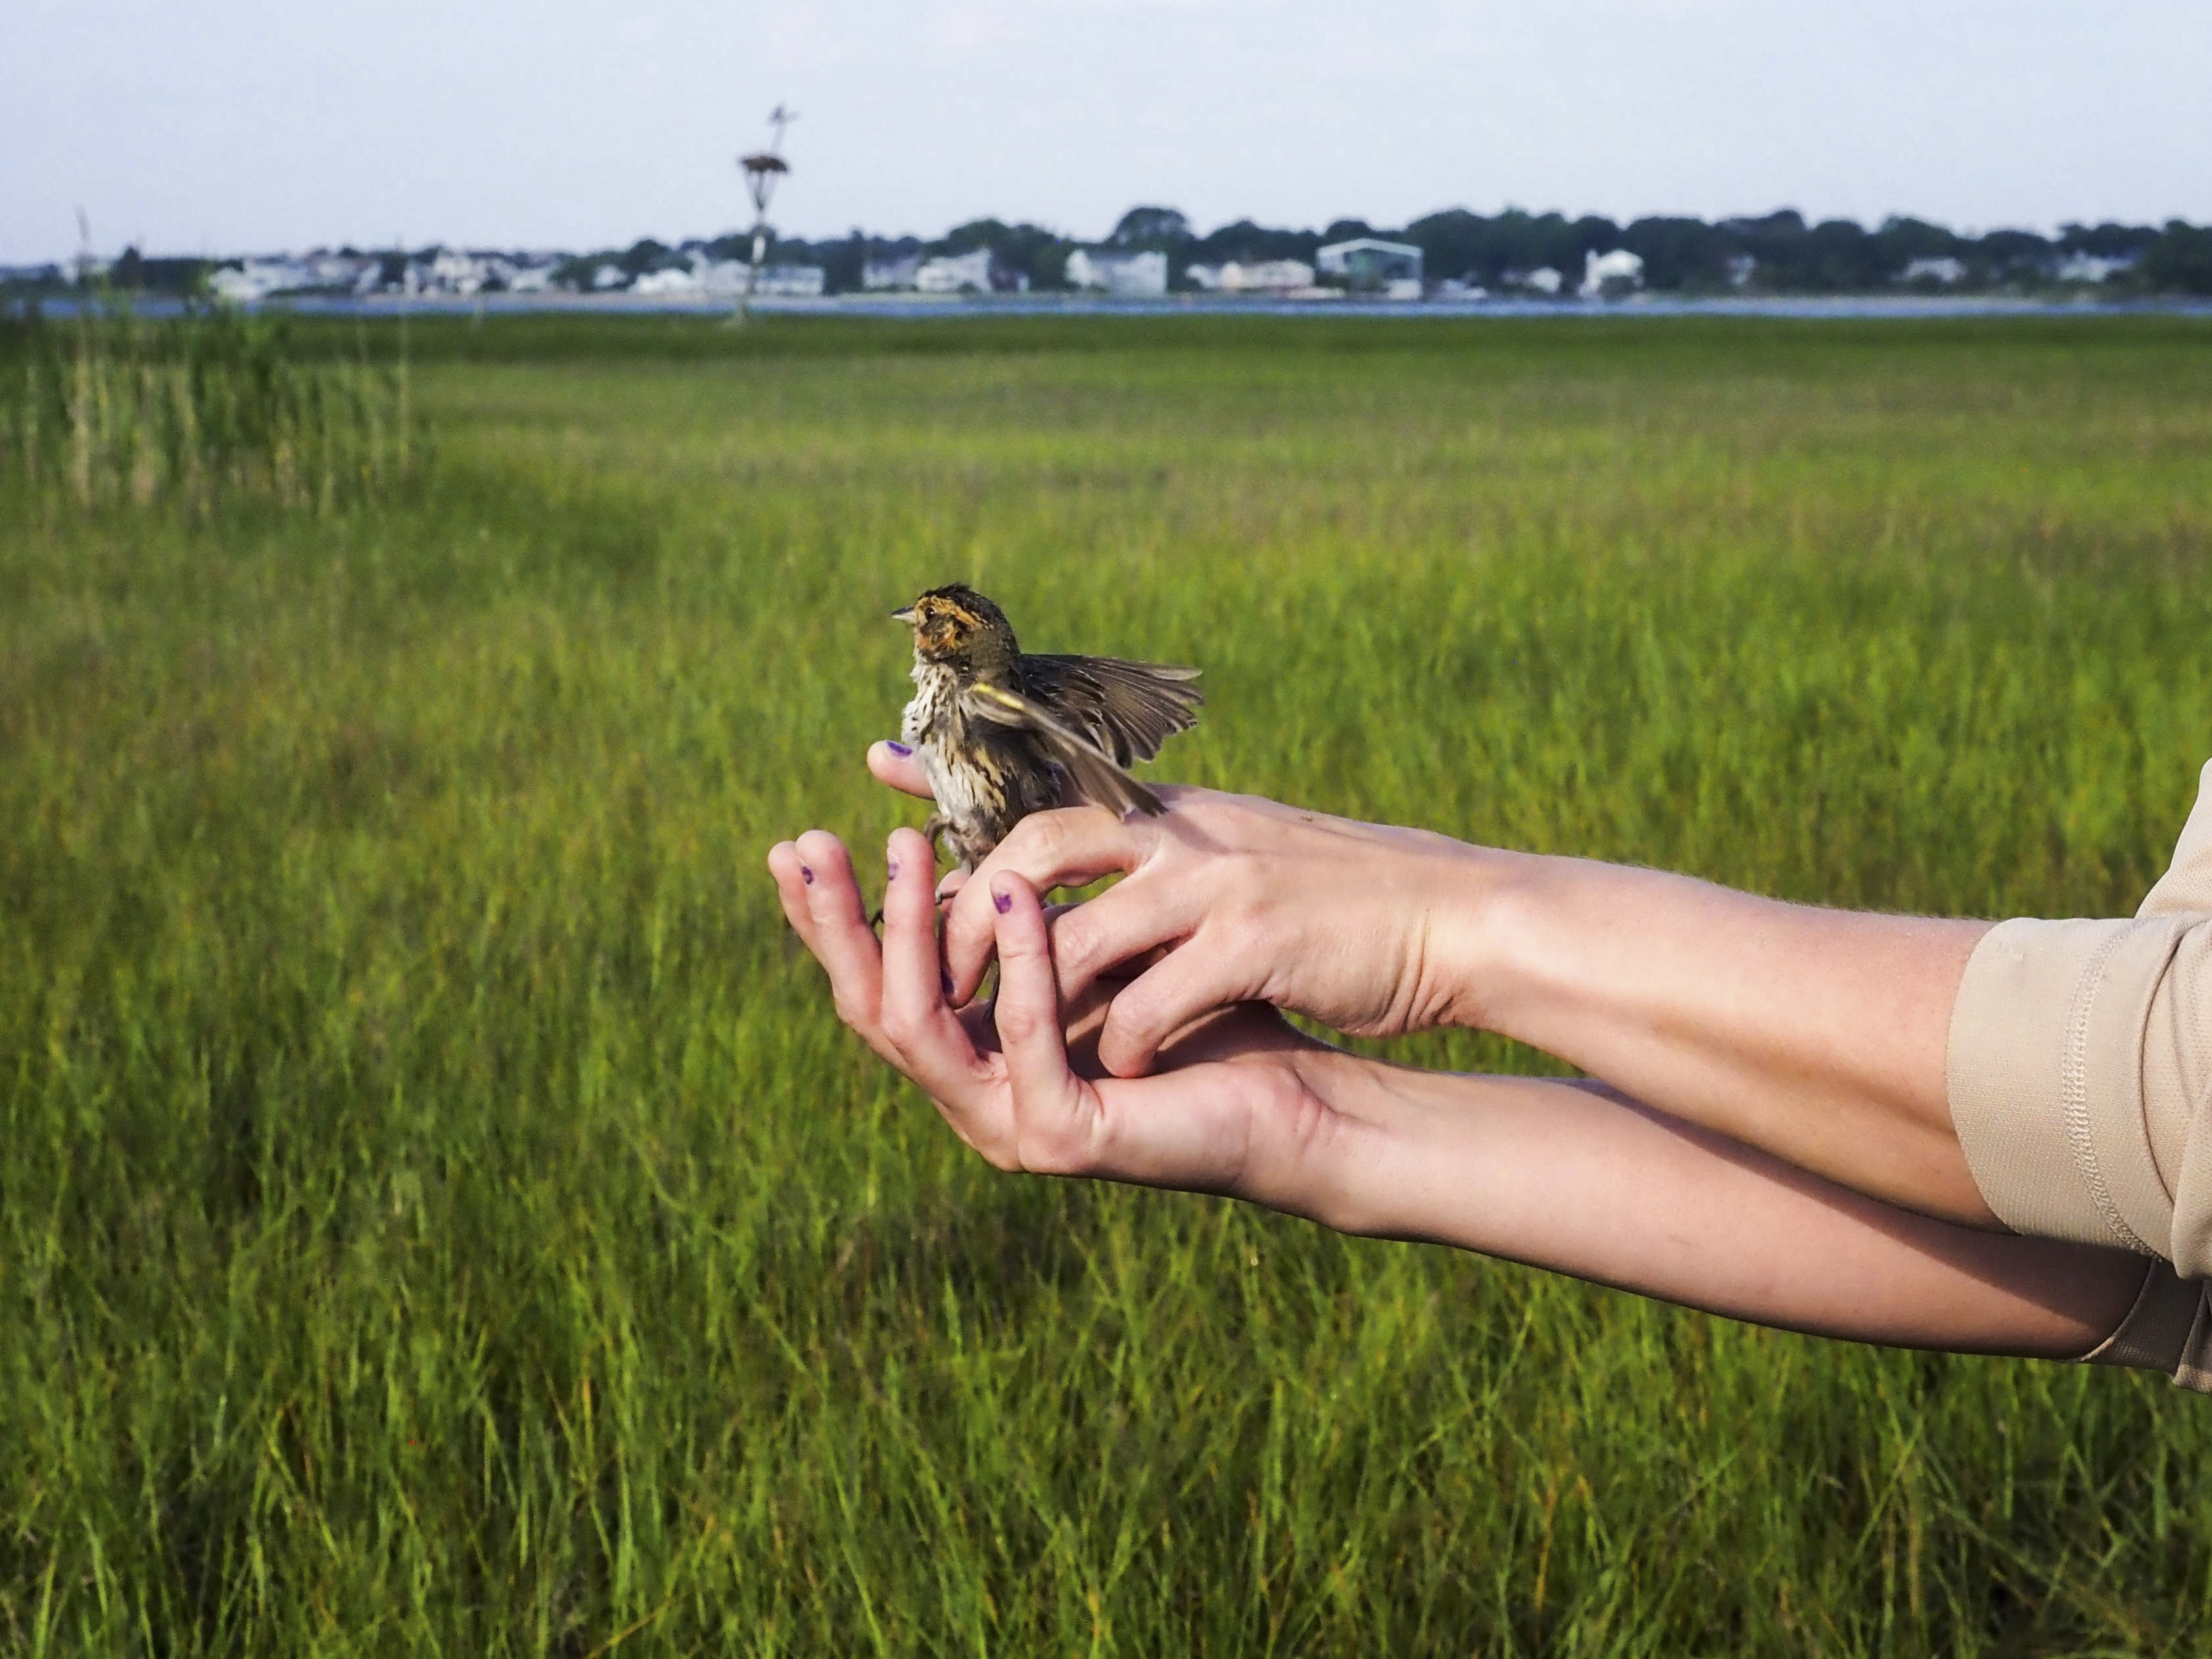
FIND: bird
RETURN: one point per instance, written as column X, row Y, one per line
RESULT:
column 1001, row 733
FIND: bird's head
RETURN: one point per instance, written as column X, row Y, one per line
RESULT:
column 958, row 627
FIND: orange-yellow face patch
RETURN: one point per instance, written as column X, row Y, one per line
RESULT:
column 945, row 622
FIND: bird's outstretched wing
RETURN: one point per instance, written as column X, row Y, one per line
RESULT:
column 1098, row 779
column 1127, row 708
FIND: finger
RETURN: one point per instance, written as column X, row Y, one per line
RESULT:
column 1126, row 924
column 1050, row 1123
column 1185, row 986
column 840, row 937
column 1062, row 848
column 793, row 878
column 894, row 764
column 933, row 1047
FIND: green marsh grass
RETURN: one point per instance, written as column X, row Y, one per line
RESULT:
column 442, row 1214
column 103, row 410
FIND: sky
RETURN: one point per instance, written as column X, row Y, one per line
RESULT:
column 228, row 126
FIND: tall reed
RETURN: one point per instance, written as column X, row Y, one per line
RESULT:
column 107, row 409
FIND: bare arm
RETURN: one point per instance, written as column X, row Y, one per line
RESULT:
column 1578, row 1179
column 1562, row 1176
column 1818, row 1035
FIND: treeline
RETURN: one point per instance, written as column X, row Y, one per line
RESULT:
column 1776, row 253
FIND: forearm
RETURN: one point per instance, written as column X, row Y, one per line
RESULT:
column 1574, row 1178
column 1818, row 1035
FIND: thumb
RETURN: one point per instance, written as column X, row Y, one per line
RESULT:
column 895, row 763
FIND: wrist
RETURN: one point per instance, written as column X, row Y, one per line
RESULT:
column 1467, row 950
column 1347, row 1169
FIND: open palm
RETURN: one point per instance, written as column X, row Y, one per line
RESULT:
column 1233, row 1107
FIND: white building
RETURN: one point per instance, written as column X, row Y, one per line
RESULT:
column 1606, row 275
column 1133, row 276
column 792, row 282
column 2078, row 267
column 252, row 281
column 1266, row 276
column 1368, row 262
column 674, row 283
column 609, row 276
column 882, row 276
column 720, row 279
column 233, row 285
column 445, row 272
column 1543, row 280
column 1946, row 271
column 456, row 273
column 963, row 273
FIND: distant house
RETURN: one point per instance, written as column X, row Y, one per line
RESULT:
column 449, row 272
column 1945, row 272
column 882, row 276
column 333, row 272
column 792, row 282
column 961, row 273
column 1371, row 265
column 1741, row 267
column 1608, row 275
column 1543, row 280
column 674, row 283
column 250, row 280
column 233, row 286
column 2081, row 267
column 1266, row 276
column 609, row 276
column 528, row 274
column 720, row 279
column 1132, row 276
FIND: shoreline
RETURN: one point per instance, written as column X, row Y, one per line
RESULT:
column 922, row 307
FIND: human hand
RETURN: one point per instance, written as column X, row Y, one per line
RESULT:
column 1231, row 899
column 1236, row 1107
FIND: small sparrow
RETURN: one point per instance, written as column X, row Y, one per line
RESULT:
column 1001, row 733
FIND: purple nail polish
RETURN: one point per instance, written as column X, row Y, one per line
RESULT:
column 893, row 867
column 806, row 875
column 1004, row 901
column 945, row 982
column 896, row 747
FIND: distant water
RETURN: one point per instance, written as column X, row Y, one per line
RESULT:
column 910, row 307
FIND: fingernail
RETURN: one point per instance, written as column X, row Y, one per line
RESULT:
column 893, row 867
column 806, row 875
column 1004, row 901
column 896, row 747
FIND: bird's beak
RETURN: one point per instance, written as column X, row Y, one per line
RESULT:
column 904, row 613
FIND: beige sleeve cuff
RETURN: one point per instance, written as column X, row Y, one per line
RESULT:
column 2169, row 1329
column 2079, row 1073
column 2045, row 1079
